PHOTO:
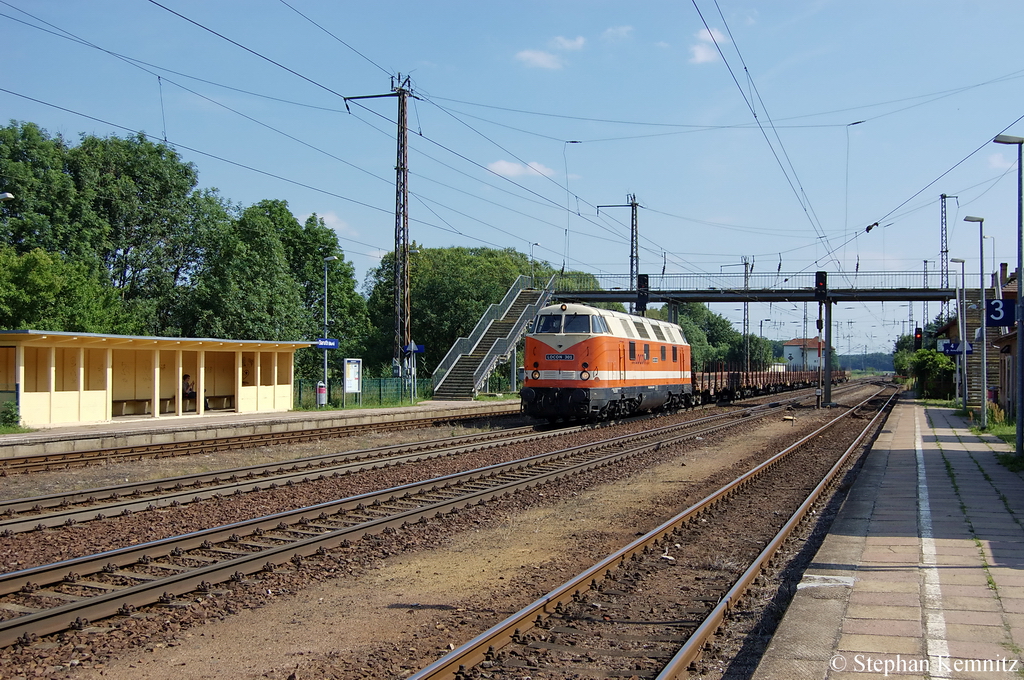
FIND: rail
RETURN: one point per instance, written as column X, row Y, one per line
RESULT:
column 68, row 459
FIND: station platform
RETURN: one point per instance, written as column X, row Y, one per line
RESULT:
column 143, row 430
column 922, row 573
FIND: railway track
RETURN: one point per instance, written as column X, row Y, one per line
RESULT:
column 640, row 612
column 74, row 507
column 72, row 459
column 72, row 593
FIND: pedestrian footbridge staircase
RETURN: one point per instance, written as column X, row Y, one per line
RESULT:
column 463, row 371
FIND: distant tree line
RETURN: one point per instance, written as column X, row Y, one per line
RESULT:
column 115, row 235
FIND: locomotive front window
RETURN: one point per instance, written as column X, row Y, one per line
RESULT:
column 549, row 323
column 599, row 325
column 577, row 323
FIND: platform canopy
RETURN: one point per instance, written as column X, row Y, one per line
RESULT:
column 68, row 378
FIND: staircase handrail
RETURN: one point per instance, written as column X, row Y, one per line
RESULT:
column 466, row 345
column 501, row 346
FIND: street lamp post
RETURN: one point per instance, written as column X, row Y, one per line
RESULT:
column 330, row 258
column 1019, row 359
column 532, row 273
column 962, row 314
column 984, row 357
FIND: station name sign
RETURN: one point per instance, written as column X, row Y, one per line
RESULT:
column 327, row 343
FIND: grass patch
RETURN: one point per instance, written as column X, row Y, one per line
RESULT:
column 14, row 429
column 1011, row 461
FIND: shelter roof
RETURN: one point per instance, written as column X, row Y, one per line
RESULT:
column 102, row 340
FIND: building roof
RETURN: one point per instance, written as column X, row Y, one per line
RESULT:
column 803, row 342
column 97, row 340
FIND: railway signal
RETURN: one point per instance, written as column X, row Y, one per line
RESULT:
column 918, row 338
column 643, row 292
column 820, row 286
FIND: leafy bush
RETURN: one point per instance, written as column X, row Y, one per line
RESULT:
column 934, row 373
column 9, row 416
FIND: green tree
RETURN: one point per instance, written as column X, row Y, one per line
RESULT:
column 244, row 289
column 40, row 290
column 138, row 194
column 305, row 247
column 46, row 212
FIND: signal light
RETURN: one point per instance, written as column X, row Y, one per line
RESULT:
column 643, row 294
column 820, row 285
column 918, row 338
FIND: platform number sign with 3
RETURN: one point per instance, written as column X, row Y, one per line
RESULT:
column 1000, row 312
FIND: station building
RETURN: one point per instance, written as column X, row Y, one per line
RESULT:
column 61, row 378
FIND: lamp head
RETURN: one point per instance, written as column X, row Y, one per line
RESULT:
column 330, row 258
column 6, row 196
column 1008, row 139
column 972, row 218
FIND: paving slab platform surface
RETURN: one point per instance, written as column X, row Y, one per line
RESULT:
column 922, row 573
column 144, row 430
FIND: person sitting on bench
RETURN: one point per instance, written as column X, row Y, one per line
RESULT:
column 188, row 391
column 188, row 388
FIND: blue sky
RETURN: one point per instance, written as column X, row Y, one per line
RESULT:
column 504, row 87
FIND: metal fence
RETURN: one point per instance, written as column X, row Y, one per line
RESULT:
column 376, row 392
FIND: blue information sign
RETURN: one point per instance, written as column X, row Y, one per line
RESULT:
column 414, row 349
column 951, row 348
column 327, row 343
column 1000, row 312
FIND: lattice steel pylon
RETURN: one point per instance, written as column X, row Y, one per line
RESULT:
column 402, row 89
column 403, row 307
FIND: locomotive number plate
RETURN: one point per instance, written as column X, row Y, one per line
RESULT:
column 559, row 357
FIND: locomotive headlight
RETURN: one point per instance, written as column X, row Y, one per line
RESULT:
column 585, row 375
column 535, row 375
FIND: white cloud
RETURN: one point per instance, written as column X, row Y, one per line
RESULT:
column 705, row 51
column 662, row 45
column 510, row 169
column 333, row 221
column 714, row 35
column 539, row 59
column 998, row 162
column 576, row 43
column 702, row 54
column 617, row 33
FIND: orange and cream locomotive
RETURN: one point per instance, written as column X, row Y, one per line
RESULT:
column 588, row 363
